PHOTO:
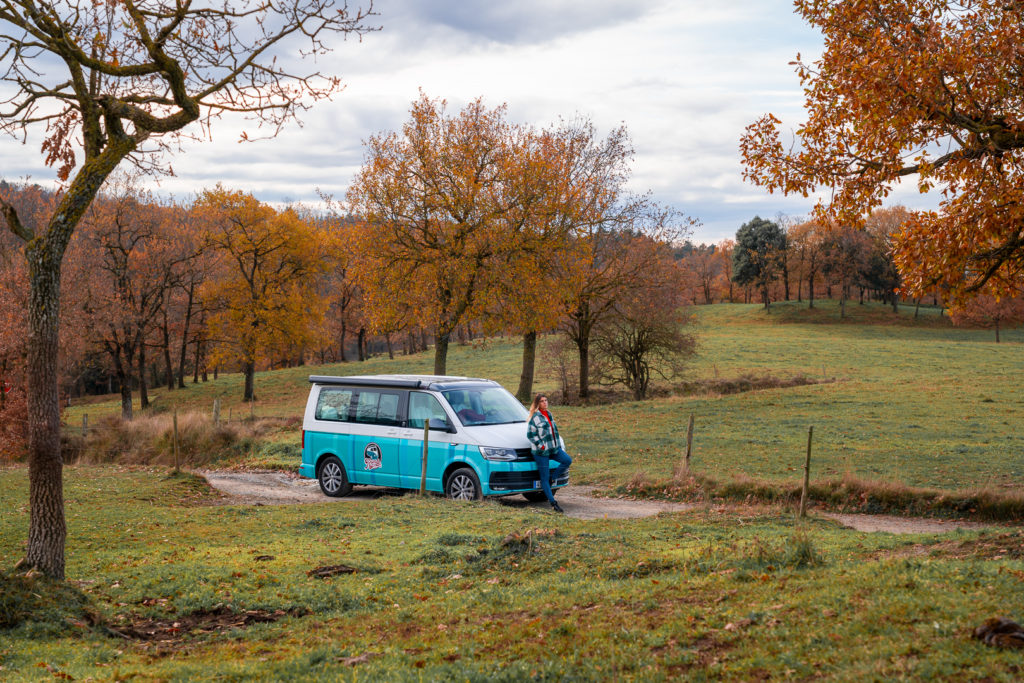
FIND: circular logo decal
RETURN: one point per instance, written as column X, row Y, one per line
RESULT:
column 372, row 456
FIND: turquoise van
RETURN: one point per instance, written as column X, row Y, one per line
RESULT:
column 368, row 430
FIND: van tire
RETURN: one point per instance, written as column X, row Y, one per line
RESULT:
column 537, row 496
column 333, row 478
column 463, row 484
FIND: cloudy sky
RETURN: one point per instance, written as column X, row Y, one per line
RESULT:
column 684, row 76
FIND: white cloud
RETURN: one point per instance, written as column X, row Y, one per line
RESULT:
column 685, row 77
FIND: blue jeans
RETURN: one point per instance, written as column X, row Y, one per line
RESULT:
column 545, row 473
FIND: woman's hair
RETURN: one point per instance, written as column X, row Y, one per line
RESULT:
column 535, row 406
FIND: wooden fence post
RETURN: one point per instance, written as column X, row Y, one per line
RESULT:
column 176, row 462
column 807, row 474
column 216, row 412
column 85, row 425
column 689, row 443
column 423, row 470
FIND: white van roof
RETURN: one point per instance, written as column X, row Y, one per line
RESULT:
column 405, row 381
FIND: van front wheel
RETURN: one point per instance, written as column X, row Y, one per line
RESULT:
column 463, row 484
column 333, row 479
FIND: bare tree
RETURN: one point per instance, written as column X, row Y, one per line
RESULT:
column 644, row 337
column 123, row 80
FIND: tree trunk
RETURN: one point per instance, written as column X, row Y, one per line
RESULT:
column 361, row 343
column 583, row 346
column 123, row 370
column 391, row 351
column 47, row 531
column 441, row 352
column 169, row 374
column 529, row 362
column 143, row 381
column 184, row 337
column 249, row 368
column 195, row 370
column 341, row 345
column 997, row 332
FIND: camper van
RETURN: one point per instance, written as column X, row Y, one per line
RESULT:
column 369, row 431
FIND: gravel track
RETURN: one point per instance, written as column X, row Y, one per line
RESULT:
column 284, row 488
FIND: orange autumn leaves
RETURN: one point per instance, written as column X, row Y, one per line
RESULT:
column 471, row 217
column 927, row 89
column 263, row 294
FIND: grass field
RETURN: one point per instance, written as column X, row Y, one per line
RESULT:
column 168, row 583
column 914, row 401
column 165, row 586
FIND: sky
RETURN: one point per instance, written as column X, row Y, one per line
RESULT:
column 684, row 76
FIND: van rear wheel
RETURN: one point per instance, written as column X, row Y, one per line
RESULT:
column 463, row 484
column 333, row 479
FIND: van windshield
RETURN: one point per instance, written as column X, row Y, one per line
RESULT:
column 485, row 405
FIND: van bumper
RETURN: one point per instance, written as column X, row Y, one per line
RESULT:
column 520, row 482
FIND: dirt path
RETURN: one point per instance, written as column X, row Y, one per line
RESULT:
column 283, row 488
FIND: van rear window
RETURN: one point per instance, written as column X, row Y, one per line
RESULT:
column 378, row 407
column 333, row 404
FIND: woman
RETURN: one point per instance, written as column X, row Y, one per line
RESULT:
column 542, row 432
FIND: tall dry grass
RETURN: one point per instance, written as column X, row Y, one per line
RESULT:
column 149, row 440
column 848, row 493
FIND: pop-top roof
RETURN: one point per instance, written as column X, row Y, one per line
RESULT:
column 401, row 381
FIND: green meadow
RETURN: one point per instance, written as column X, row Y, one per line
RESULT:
column 166, row 585
column 168, row 581
column 909, row 401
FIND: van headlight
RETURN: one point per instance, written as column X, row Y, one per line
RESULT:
column 497, row 453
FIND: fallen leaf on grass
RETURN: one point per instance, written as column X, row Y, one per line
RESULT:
column 57, row 673
column 735, row 626
column 358, row 659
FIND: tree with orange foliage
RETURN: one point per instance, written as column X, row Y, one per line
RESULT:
column 563, row 181
column 807, row 242
column 723, row 252
column 133, row 257
column 925, row 88
column 846, row 251
column 881, row 274
column 610, row 265
column 643, row 335
column 132, row 76
column 263, row 296
column 989, row 313
column 443, row 208
column 706, row 268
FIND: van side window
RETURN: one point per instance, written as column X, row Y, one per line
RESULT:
column 332, row 404
column 423, row 407
column 378, row 407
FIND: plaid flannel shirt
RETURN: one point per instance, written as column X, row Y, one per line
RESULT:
column 543, row 436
